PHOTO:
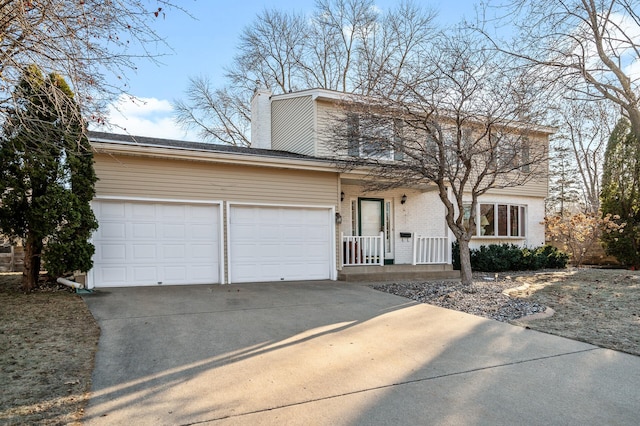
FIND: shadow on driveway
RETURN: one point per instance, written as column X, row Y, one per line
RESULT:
column 334, row 353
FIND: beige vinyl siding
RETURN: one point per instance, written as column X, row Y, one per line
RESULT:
column 534, row 188
column 131, row 176
column 326, row 112
column 538, row 185
column 292, row 122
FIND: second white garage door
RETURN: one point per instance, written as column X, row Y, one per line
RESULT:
column 279, row 244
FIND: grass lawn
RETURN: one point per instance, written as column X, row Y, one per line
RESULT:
column 598, row 306
column 48, row 341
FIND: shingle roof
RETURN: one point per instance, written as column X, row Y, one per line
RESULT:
column 195, row 146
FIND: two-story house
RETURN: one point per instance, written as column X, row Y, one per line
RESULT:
column 173, row 212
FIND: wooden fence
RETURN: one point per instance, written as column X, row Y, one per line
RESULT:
column 11, row 259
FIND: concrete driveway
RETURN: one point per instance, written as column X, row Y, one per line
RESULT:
column 327, row 353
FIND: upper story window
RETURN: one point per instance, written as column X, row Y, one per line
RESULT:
column 374, row 137
column 512, row 151
column 497, row 220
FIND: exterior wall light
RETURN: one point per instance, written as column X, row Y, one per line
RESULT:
column 338, row 218
column 403, row 199
column 342, row 196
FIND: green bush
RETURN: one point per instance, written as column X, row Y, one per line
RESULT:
column 553, row 258
column 509, row 257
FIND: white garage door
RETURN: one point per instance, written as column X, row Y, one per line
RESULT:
column 279, row 244
column 140, row 243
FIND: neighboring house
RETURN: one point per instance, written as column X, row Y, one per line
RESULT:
column 173, row 212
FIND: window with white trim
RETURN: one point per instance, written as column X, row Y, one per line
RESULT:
column 373, row 137
column 497, row 220
column 512, row 151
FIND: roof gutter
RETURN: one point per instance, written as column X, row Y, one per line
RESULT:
column 193, row 154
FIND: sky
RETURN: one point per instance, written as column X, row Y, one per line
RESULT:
column 203, row 45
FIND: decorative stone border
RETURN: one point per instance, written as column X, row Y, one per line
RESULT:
column 548, row 312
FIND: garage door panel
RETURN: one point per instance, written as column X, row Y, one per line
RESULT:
column 143, row 231
column 203, row 232
column 141, row 211
column 246, row 252
column 111, row 275
column 202, row 252
column 267, row 252
column 176, row 231
column 175, row 274
column 291, row 251
column 270, row 271
column 173, row 212
column 315, row 233
column 140, row 243
column 201, row 273
column 265, row 216
column 267, row 232
column 317, row 251
column 199, row 216
column 144, row 252
column 144, row 274
column 112, row 230
column 293, row 233
column 173, row 251
column 244, row 232
column 111, row 211
column 279, row 243
column 111, row 252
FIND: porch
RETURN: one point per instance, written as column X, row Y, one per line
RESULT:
column 398, row 272
column 363, row 259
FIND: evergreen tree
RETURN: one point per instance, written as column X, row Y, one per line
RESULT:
column 564, row 195
column 621, row 193
column 47, row 178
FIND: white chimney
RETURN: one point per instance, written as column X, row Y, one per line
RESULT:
column 261, row 118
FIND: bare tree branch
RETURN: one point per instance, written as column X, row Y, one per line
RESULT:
column 464, row 127
column 91, row 43
column 589, row 47
column 344, row 45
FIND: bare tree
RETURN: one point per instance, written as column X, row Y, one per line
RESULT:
column 216, row 114
column 344, row 45
column 89, row 42
column 584, row 129
column 389, row 47
column 591, row 47
column 462, row 122
column 271, row 52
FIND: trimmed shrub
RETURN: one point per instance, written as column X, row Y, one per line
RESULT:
column 509, row 257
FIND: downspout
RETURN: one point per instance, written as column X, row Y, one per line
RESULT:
column 70, row 283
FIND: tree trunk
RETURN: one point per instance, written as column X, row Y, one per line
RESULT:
column 634, row 118
column 31, row 272
column 465, row 263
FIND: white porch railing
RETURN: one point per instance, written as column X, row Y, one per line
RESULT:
column 361, row 250
column 428, row 250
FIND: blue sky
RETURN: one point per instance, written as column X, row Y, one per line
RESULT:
column 204, row 45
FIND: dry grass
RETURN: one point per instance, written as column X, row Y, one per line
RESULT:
column 597, row 306
column 48, row 341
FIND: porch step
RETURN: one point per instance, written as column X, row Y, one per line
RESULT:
column 397, row 272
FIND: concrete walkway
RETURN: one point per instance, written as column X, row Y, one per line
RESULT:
column 327, row 353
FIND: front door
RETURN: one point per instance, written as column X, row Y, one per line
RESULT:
column 374, row 217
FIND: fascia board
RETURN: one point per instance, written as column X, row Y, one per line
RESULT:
column 214, row 157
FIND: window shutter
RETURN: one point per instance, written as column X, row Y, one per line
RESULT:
column 398, row 150
column 353, row 135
